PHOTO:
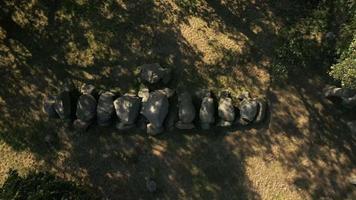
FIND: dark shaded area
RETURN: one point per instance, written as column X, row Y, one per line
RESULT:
column 42, row 186
column 103, row 42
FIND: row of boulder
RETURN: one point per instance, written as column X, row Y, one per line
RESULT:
column 152, row 108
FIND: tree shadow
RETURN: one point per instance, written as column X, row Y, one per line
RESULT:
column 214, row 45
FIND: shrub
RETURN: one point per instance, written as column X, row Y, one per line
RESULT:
column 345, row 70
column 41, row 186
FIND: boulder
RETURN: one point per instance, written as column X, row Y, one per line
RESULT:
column 153, row 73
column 48, row 107
column 262, row 109
column 226, row 111
column 87, row 89
column 63, row 106
column 105, row 108
column 127, row 109
column 207, row 112
column 186, row 111
column 86, row 108
column 248, row 110
column 155, row 111
column 347, row 96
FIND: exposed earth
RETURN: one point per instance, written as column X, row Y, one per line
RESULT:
column 303, row 151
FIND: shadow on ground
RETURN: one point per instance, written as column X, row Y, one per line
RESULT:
column 303, row 152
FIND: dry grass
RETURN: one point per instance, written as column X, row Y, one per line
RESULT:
column 303, row 150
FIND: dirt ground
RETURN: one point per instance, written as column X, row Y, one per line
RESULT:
column 302, row 151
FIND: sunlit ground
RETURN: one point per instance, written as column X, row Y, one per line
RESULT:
column 302, row 151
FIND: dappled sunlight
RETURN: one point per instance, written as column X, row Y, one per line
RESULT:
column 302, row 150
column 211, row 41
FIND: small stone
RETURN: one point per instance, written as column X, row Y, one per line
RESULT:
column 87, row 89
column 144, row 93
column 153, row 73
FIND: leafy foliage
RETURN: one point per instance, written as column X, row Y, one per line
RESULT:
column 315, row 40
column 345, row 69
column 41, row 186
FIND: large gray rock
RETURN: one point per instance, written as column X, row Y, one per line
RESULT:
column 207, row 112
column 186, row 111
column 333, row 91
column 105, row 108
column 63, row 106
column 48, row 107
column 155, row 111
column 262, row 110
column 153, row 73
column 127, row 109
column 347, row 96
column 86, row 108
column 226, row 111
column 248, row 110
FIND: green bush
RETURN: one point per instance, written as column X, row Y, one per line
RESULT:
column 345, row 70
column 36, row 186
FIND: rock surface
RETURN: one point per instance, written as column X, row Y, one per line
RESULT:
column 248, row 110
column 186, row 111
column 86, row 108
column 226, row 111
column 87, row 89
column 127, row 109
column 207, row 112
column 63, row 105
column 262, row 109
column 105, row 108
column 155, row 111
